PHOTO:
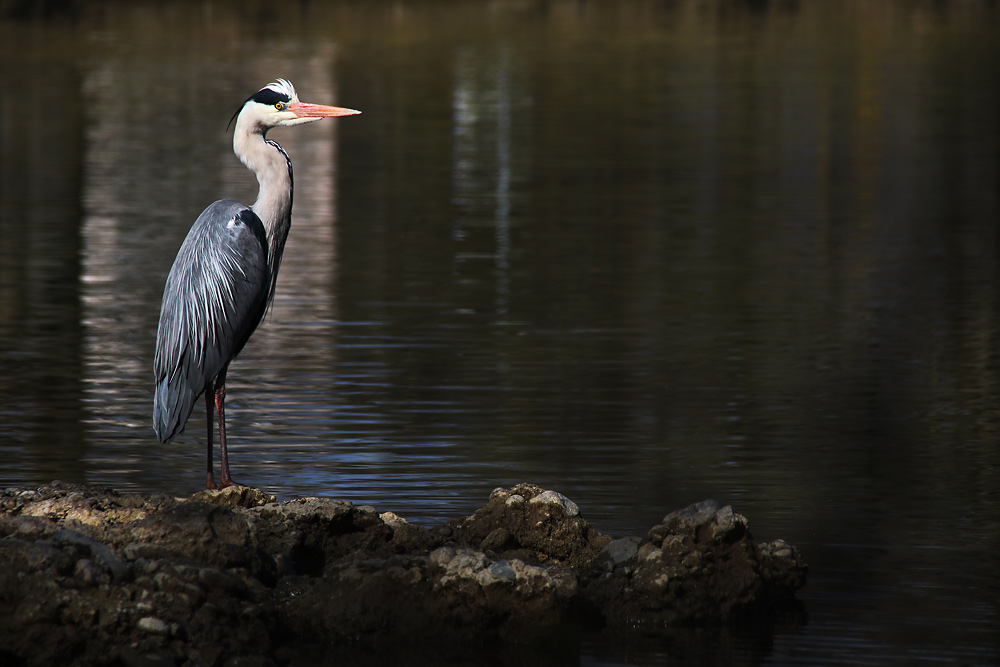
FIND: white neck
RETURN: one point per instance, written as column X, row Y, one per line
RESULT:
column 273, row 169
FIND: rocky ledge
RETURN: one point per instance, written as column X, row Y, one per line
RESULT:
column 91, row 576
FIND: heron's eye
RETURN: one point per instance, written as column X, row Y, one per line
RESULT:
column 279, row 106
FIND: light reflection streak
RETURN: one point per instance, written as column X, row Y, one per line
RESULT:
column 482, row 161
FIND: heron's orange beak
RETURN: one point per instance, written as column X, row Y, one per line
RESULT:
column 304, row 110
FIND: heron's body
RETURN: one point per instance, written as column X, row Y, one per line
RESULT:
column 225, row 273
column 219, row 290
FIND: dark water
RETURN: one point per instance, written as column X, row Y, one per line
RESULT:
column 644, row 253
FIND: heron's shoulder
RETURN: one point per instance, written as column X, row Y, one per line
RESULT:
column 228, row 216
column 225, row 210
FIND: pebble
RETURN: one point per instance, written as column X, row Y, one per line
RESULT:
column 87, row 572
column 692, row 516
column 556, row 498
column 502, row 570
column 778, row 549
column 153, row 625
column 657, row 533
column 32, row 529
column 727, row 522
column 649, row 551
column 392, row 519
column 496, row 540
column 619, row 551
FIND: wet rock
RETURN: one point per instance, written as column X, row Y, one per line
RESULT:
column 498, row 540
column 92, row 576
column 104, row 558
column 555, row 498
column 618, row 552
column 234, row 496
column 153, row 625
column 783, row 568
column 698, row 565
column 535, row 524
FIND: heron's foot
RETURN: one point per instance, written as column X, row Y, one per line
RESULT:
column 229, row 481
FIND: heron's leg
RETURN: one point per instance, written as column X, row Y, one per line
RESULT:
column 210, row 410
column 220, row 408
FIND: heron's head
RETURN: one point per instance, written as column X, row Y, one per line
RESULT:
column 277, row 105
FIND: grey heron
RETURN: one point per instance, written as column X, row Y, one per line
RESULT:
column 223, row 278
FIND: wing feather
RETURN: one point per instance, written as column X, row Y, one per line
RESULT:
column 215, row 296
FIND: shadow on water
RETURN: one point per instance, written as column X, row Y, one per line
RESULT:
column 643, row 253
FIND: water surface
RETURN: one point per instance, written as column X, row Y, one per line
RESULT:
column 642, row 253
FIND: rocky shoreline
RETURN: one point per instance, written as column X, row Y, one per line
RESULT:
column 92, row 576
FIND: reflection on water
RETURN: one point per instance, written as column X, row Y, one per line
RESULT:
column 485, row 102
column 644, row 253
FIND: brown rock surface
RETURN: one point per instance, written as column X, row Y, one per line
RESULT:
column 91, row 576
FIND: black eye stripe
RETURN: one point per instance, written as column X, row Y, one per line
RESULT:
column 269, row 97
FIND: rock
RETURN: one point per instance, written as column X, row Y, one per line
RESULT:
column 556, row 498
column 392, row 520
column 514, row 499
column 153, row 625
column 92, row 576
column 698, row 565
column 456, row 564
column 499, row 539
column 538, row 525
column 618, row 552
column 235, row 496
column 502, row 571
column 783, row 568
column 89, row 546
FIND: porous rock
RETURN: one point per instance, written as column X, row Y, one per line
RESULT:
column 92, row 576
column 535, row 524
column 697, row 565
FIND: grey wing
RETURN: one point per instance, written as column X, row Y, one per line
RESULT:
column 215, row 296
